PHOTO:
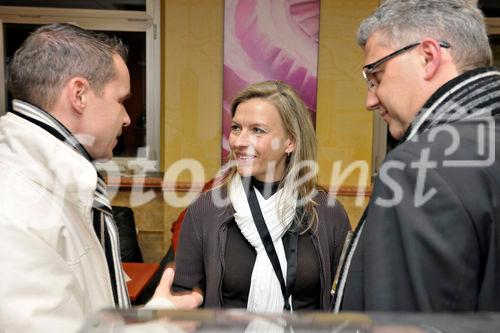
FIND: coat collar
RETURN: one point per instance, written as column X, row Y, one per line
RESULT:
column 463, row 97
column 54, row 165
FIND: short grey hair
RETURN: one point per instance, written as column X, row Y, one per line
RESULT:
column 458, row 22
column 53, row 54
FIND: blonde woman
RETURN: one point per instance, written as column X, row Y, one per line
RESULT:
column 266, row 237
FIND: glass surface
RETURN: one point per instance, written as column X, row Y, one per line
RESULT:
column 222, row 321
column 225, row 321
column 133, row 136
column 139, row 5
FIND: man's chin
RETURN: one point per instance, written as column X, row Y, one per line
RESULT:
column 396, row 133
column 108, row 157
column 103, row 158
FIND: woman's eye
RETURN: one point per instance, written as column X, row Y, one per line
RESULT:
column 235, row 128
column 257, row 130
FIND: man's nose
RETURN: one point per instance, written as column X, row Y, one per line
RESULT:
column 372, row 101
column 126, row 119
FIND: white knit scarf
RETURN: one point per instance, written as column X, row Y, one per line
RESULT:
column 265, row 290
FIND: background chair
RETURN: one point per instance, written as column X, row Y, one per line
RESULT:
column 129, row 246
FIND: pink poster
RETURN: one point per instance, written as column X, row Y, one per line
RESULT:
column 270, row 40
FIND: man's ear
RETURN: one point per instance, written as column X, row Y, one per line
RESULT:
column 432, row 56
column 77, row 91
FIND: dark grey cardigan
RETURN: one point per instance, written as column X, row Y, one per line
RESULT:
column 200, row 253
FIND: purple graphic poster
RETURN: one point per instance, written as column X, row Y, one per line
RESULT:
column 269, row 40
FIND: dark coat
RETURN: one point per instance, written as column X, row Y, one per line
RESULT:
column 440, row 254
column 200, row 253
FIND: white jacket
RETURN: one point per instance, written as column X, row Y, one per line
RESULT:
column 53, row 269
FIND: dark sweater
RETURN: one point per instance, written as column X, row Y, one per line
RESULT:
column 240, row 259
column 200, row 257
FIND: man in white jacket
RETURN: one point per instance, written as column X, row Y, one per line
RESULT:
column 58, row 242
column 59, row 245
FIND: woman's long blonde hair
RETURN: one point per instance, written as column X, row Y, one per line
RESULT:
column 301, row 163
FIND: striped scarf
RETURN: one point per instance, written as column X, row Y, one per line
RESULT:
column 474, row 94
column 103, row 222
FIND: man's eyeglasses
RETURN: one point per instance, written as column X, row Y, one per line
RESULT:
column 369, row 69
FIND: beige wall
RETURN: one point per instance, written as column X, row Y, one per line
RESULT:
column 344, row 128
column 192, row 90
column 192, row 45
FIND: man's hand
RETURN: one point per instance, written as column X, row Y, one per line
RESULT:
column 181, row 300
